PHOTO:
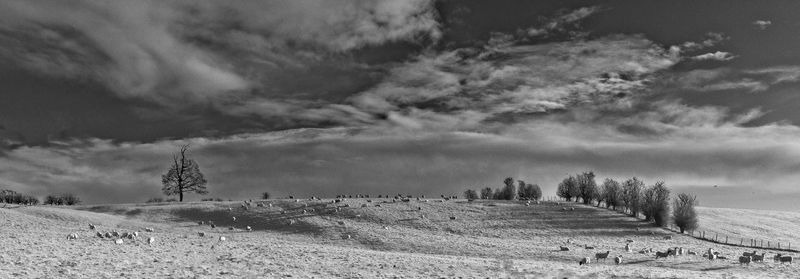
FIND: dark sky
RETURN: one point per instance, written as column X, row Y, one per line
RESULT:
column 309, row 96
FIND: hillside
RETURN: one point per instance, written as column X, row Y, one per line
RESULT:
column 402, row 239
column 766, row 225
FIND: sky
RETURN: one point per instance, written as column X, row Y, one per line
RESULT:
column 326, row 97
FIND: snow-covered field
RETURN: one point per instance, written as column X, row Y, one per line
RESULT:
column 413, row 239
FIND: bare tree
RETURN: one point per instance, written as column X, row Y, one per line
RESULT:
column 183, row 176
column 568, row 188
column 471, row 194
column 655, row 204
column 683, row 213
column 612, row 193
column 587, row 186
column 486, row 193
column 631, row 194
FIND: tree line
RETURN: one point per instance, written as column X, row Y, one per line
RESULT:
column 633, row 197
column 509, row 191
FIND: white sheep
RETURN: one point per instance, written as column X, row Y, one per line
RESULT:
column 249, row 229
column 99, row 234
column 585, row 260
column 618, row 259
column 72, row 236
column 627, row 248
column 149, row 229
column 222, row 238
column 118, row 241
column 91, row 226
column 201, row 234
column 150, row 240
column 234, row 218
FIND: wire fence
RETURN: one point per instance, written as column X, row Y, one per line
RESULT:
column 738, row 241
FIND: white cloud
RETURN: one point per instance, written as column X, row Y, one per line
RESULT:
column 718, row 56
column 762, row 24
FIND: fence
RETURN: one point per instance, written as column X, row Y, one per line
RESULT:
column 743, row 242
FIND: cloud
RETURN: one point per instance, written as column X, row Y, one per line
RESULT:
column 762, row 24
column 718, row 56
column 753, row 80
column 198, row 52
column 562, row 22
column 686, row 146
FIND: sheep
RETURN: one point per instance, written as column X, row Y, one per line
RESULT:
column 759, row 258
column 91, row 226
column 693, row 253
column 627, row 248
column 150, row 240
column 661, row 254
column 222, row 238
column 786, row 259
column 588, row 247
column 124, row 235
column 585, row 260
column 131, row 236
column 341, row 223
column 136, row 234
column 776, row 258
column 710, row 254
column 99, row 234
column 201, row 223
column 563, row 209
column 213, row 226
column 234, row 218
column 643, row 251
column 249, row 229
column 618, row 259
column 115, row 233
column 629, row 241
column 108, row 235
column 669, row 237
column 201, row 234
column 452, row 217
column 72, row 236
column 748, row 254
column 572, row 209
column 149, row 229
column 744, row 260
column 118, row 241
column 603, row 256
column 563, row 248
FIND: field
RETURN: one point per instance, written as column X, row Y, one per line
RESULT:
column 415, row 239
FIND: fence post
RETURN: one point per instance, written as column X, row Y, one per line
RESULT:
column 762, row 244
column 767, row 243
column 715, row 237
column 726, row 239
column 741, row 241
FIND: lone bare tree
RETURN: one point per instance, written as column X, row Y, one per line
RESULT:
column 183, row 176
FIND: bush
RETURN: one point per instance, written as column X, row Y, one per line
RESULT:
column 471, row 194
column 631, row 195
column 486, row 193
column 171, row 200
column 265, row 196
column 586, row 186
column 62, row 199
column 155, row 200
column 612, row 193
column 568, row 188
column 683, row 214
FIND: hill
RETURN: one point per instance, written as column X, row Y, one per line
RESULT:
column 396, row 239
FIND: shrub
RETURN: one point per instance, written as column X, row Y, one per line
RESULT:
column 265, row 196
column 568, row 188
column 683, row 214
column 486, row 193
column 171, row 200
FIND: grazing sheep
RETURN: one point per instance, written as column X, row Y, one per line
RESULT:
column 721, row 257
column 222, row 238
column 201, row 234
column 629, row 241
column 124, row 235
column 759, row 258
column 693, row 253
column 115, row 233
column 777, row 257
column 744, row 260
column 662, row 254
column 452, row 217
column 136, row 234
column 230, row 228
column 786, row 259
column 149, row 229
column 72, row 236
column 710, row 254
column 748, row 254
column 603, row 256
column 563, row 209
column 213, row 226
column 91, row 226
column 563, row 248
column 234, row 218
column 118, row 241
column 618, row 259
column 572, row 209
column 100, row 235
column 348, row 236
column 201, row 223
column 588, row 247
column 385, row 227
column 249, row 229
column 643, row 251
column 669, row 237
column 341, row 223
column 150, row 240
column 585, row 260
column 108, row 235
column 627, row 248
column 131, row 236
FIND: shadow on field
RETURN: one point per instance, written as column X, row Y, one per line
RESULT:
column 291, row 221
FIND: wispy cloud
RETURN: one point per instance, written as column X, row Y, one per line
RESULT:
column 718, row 56
column 562, row 22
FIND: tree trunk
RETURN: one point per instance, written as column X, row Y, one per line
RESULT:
column 181, row 193
column 681, row 230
